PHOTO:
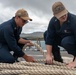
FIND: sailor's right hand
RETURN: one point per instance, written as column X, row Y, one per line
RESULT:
column 30, row 43
column 29, row 58
column 49, row 59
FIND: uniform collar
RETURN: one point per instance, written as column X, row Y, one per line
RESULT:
column 14, row 23
column 68, row 19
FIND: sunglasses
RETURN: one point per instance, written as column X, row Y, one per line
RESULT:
column 24, row 21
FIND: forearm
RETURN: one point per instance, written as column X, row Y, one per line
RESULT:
column 49, row 50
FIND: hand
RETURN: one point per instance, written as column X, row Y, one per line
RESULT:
column 72, row 64
column 30, row 43
column 49, row 59
column 29, row 58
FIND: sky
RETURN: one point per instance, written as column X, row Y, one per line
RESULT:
column 39, row 10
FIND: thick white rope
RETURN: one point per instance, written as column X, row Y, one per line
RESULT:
column 29, row 68
column 39, row 72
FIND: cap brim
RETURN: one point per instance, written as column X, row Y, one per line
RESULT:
column 61, row 14
column 26, row 18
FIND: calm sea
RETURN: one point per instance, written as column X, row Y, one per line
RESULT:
column 42, row 44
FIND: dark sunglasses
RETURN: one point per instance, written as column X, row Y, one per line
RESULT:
column 24, row 21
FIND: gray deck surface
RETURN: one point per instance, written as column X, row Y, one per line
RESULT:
column 38, row 55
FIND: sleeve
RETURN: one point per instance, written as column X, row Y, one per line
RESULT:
column 11, row 41
column 50, row 33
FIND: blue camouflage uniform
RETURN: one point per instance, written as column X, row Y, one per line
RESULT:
column 9, row 36
column 64, row 35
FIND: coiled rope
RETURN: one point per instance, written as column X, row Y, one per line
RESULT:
column 30, row 68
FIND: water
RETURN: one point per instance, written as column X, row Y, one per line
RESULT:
column 42, row 44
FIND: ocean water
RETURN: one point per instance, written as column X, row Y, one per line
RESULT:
column 42, row 44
